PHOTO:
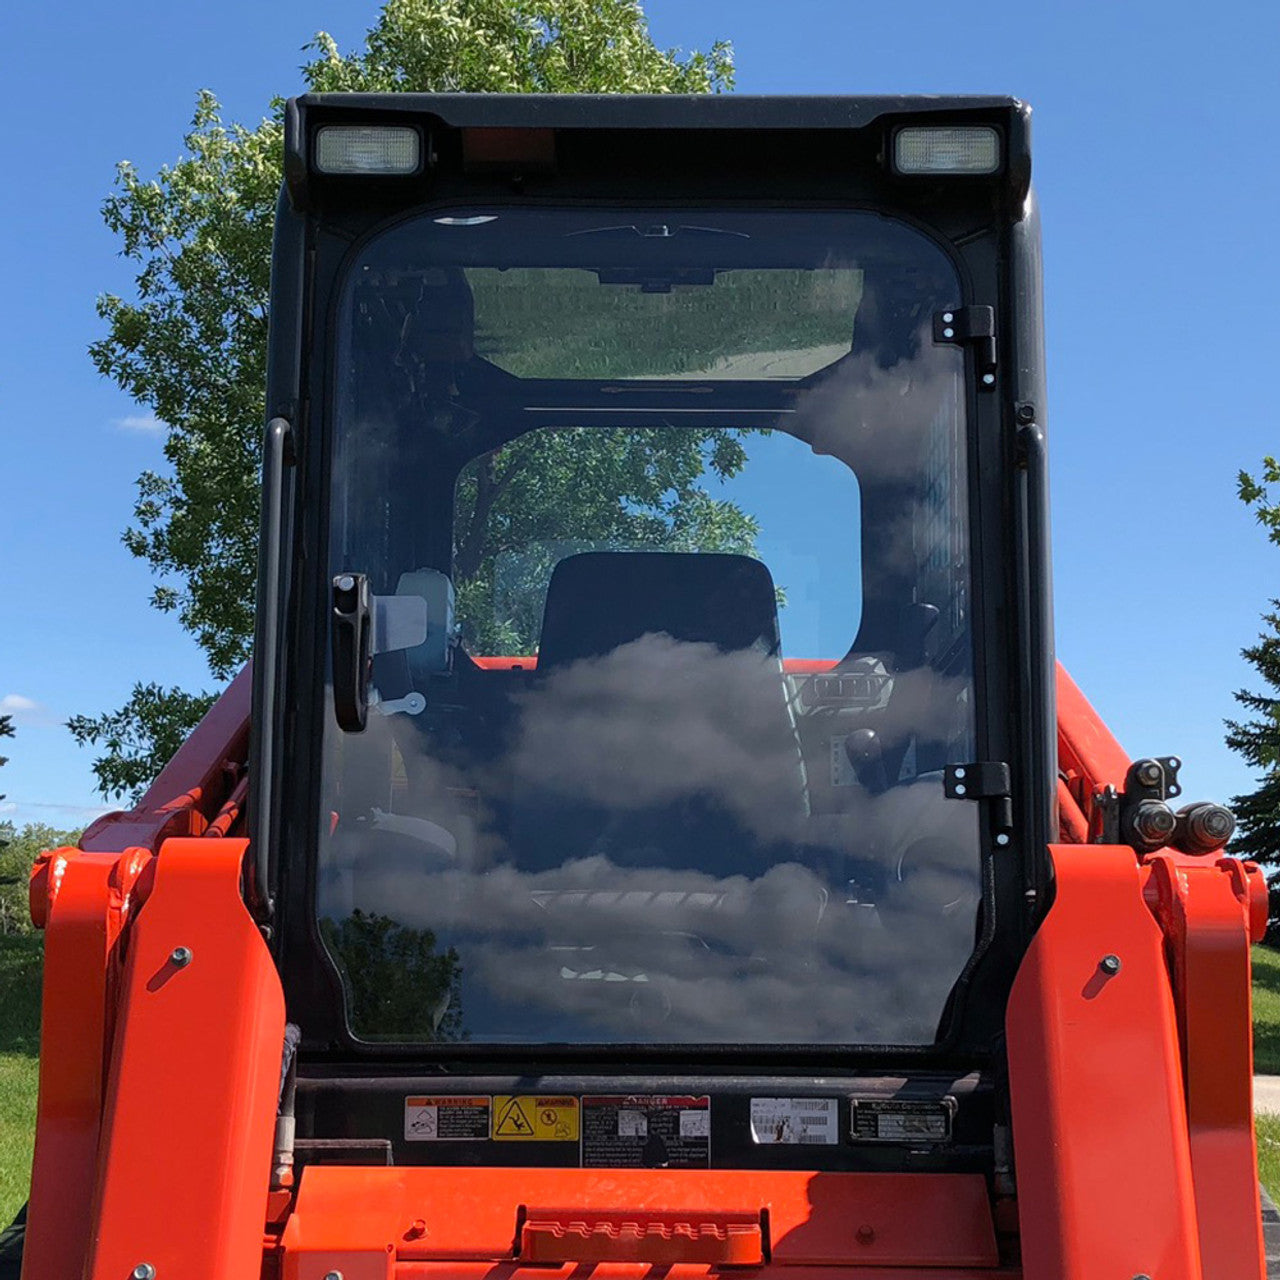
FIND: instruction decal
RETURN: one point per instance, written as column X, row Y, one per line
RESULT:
column 446, row 1119
column 532, row 1118
column 808, row 1121
column 646, row 1131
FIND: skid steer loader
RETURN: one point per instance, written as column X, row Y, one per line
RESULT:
column 654, row 838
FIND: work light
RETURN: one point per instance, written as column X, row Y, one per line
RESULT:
column 382, row 149
column 957, row 149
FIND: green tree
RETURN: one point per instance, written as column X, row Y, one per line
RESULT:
column 1257, row 739
column 17, row 856
column 140, row 737
column 6, row 731
column 399, row 985
column 191, row 344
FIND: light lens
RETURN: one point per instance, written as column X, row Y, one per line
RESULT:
column 385, row 149
column 961, row 149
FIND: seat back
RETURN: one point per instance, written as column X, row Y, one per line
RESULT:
column 657, row 731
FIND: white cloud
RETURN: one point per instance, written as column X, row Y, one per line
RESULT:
column 143, row 424
column 78, row 810
column 26, row 711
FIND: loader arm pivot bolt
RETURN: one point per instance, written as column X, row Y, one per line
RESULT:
column 180, row 957
column 1109, row 964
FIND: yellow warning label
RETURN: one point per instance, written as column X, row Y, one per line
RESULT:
column 535, row 1119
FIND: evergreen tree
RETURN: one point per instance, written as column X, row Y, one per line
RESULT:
column 1257, row 739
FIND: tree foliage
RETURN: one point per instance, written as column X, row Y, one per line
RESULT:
column 191, row 343
column 139, row 737
column 552, row 493
column 399, row 985
column 1257, row 738
column 6, row 731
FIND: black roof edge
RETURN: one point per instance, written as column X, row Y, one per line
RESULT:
column 653, row 110
column 588, row 111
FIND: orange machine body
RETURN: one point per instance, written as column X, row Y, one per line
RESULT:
column 1129, row 1064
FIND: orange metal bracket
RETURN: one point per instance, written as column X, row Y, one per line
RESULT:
column 1101, row 1148
column 378, row 1222
column 82, row 901
column 660, row 1239
column 194, row 1079
column 1208, row 909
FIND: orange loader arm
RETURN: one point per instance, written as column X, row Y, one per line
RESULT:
column 1129, row 1055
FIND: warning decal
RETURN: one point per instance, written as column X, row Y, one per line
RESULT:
column 646, row 1131
column 535, row 1119
column 814, row 1121
column 446, row 1119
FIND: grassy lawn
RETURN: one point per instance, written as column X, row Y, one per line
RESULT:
column 1266, row 1011
column 19, row 1044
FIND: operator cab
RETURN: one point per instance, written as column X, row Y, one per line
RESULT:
column 640, row 679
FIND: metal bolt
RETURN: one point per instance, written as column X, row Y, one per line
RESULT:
column 960, row 788
column 417, row 1229
column 345, row 583
column 866, row 1234
column 947, row 317
column 989, row 379
column 1149, row 773
column 1002, row 838
column 948, row 333
column 1109, row 964
column 1153, row 823
column 180, row 957
column 144, row 1271
column 1025, row 414
column 333, row 1275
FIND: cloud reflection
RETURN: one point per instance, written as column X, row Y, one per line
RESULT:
column 766, row 933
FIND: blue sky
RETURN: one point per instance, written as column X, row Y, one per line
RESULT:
column 1156, row 169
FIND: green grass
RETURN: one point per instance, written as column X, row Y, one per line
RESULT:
column 1266, row 1011
column 19, row 1046
column 1268, row 1131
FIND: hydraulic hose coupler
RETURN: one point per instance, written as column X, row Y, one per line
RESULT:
column 1203, row 827
column 1151, row 824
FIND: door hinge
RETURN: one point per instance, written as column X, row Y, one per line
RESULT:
column 974, row 327
column 983, row 780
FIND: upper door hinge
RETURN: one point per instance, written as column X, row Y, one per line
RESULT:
column 974, row 327
column 983, row 780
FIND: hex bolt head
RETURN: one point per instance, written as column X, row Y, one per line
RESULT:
column 144, row 1271
column 1109, row 964
column 1149, row 773
column 333, row 1275
column 1154, row 823
column 180, row 957
column 1025, row 414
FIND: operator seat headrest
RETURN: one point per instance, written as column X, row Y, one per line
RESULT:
column 600, row 600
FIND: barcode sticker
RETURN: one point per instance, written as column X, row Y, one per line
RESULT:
column 810, row 1121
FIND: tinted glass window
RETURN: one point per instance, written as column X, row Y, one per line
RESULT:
column 666, row 519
